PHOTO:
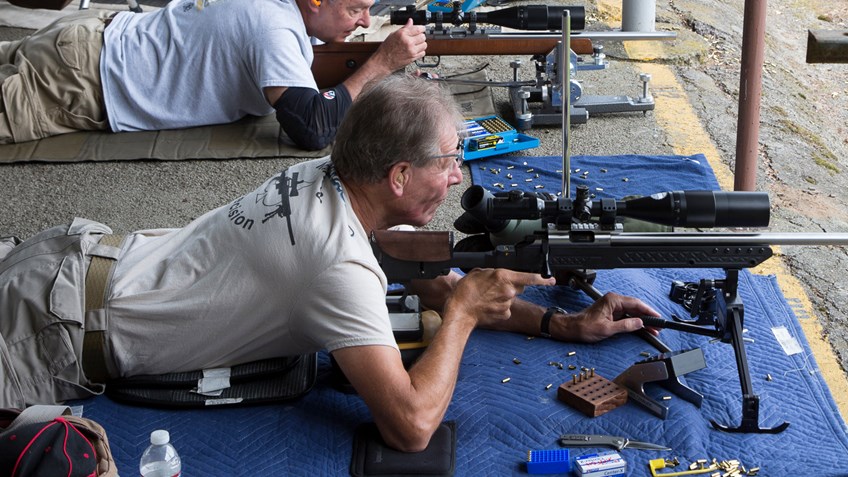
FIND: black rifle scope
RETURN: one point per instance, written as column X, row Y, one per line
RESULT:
column 691, row 208
column 527, row 17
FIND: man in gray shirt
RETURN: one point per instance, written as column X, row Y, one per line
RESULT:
column 190, row 64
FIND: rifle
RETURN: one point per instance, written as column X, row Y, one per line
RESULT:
column 567, row 238
column 335, row 62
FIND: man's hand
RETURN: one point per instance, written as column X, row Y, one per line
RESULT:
column 487, row 295
column 401, row 47
column 408, row 406
column 604, row 318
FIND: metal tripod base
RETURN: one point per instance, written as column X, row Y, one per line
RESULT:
column 131, row 4
column 529, row 114
column 614, row 104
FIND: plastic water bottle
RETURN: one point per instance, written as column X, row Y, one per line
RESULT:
column 160, row 459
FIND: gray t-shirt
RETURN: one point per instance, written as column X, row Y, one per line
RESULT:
column 284, row 270
column 185, row 66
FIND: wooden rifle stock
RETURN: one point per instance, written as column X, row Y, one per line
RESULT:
column 334, row 62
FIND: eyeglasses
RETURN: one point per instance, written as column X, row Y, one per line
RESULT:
column 459, row 157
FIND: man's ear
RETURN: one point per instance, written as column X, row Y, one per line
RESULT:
column 313, row 5
column 398, row 177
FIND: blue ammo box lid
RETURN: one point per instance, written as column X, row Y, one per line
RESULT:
column 554, row 461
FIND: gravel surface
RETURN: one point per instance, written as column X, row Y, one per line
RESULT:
column 803, row 131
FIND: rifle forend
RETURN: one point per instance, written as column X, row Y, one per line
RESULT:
column 335, row 62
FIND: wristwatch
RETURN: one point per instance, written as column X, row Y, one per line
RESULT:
column 546, row 320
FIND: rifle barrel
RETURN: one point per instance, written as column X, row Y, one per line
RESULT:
column 718, row 238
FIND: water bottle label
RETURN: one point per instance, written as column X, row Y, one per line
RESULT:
column 159, row 469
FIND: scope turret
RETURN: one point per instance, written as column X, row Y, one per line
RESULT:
column 526, row 17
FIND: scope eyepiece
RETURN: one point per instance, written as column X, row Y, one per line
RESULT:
column 477, row 201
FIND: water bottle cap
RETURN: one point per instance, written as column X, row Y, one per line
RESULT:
column 159, row 437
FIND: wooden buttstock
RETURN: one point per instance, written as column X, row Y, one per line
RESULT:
column 335, row 62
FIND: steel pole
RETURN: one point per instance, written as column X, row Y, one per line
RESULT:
column 565, row 72
column 750, row 89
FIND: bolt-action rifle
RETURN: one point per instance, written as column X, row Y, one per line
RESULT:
column 334, row 62
column 568, row 238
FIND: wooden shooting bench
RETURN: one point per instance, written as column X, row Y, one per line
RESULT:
column 827, row 46
column 334, row 62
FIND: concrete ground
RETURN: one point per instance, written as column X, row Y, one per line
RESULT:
column 803, row 146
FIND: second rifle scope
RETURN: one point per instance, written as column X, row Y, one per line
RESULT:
column 527, row 17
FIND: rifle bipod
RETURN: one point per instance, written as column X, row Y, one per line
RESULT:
column 729, row 315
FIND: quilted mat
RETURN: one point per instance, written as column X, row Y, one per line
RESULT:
column 498, row 422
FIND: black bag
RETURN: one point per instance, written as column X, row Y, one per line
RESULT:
column 260, row 382
column 47, row 441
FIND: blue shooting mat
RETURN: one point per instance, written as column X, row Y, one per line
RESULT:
column 608, row 176
column 498, row 422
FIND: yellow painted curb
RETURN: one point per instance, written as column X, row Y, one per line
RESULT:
column 674, row 113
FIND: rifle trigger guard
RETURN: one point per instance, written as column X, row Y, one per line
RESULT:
column 421, row 64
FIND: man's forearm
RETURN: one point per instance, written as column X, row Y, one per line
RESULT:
column 370, row 71
column 434, row 375
column 526, row 316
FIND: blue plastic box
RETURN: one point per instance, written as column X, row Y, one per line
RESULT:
column 554, row 461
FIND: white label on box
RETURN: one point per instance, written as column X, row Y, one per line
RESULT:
column 604, row 464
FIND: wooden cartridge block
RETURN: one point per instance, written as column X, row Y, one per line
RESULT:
column 592, row 394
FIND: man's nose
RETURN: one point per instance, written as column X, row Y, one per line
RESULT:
column 365, row 19
column 456, row 177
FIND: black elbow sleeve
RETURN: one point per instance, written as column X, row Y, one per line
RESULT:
column 311, row 118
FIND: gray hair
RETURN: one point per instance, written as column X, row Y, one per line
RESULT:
column 399, row 118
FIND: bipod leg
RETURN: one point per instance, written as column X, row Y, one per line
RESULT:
column 580, row 281
column 733, row 310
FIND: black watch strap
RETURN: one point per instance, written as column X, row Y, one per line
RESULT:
column 545, row 328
